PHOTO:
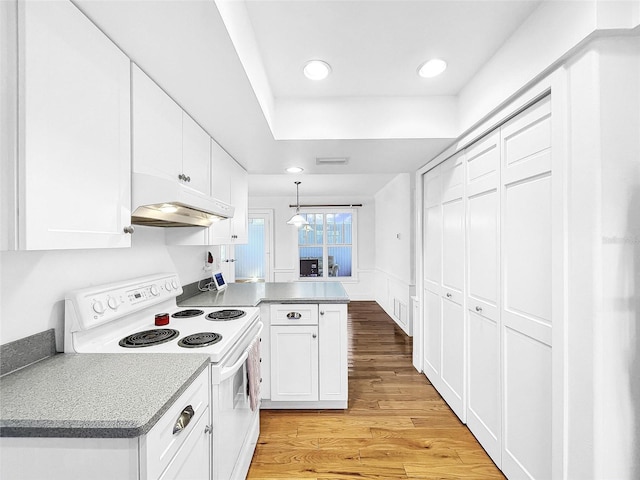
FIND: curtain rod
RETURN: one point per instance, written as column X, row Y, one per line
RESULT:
column 349, row 205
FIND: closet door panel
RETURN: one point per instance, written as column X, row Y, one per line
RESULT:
column 452, row 173
column 483, row 396
column 482, row 233
column 432, row 227
column 453, row 355
column 527, row 249
column 527, row 407
column 483, row 164
column 432, row 333
column 526, row 142
column 453, row 245
column 433, row 245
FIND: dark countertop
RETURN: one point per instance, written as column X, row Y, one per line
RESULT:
column 252, row 294
column 94, row 395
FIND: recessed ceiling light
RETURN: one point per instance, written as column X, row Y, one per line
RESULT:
column 431, row 68
column 295, row 169
column 316, row 70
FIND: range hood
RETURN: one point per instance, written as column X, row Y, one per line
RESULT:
column 160, row 202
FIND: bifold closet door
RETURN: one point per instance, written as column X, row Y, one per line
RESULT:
column 432, row 258
column 483, row 308
column 452, row 387
column 526, row 241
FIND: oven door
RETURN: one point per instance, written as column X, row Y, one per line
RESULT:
column 232, row 414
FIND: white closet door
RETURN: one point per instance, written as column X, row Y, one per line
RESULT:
column 452, row 299
column 526, row 239
column 483, row 202
column 432, row 271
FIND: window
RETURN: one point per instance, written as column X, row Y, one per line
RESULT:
column 326, row 241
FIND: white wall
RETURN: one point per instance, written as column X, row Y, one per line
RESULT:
column 604, row 261
column 393, row 228
column 33, row 284
column 394, row 239
column 285, row 245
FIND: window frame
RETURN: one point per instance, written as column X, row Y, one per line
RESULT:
column 325, row 246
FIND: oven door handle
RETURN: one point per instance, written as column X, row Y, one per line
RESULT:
column 230, row 371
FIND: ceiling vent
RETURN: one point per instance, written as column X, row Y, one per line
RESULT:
column 332, row 160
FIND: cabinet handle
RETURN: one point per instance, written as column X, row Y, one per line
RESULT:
column 128, row 229
column 321, row 312
column 182, row 177
column 478, row 309
column 208, row 429
column 294, row 316
column 313, row 335
column 448, row 295
column 188, row 179
column 183, row 419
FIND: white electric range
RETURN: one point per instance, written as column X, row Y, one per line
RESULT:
column 140, row 315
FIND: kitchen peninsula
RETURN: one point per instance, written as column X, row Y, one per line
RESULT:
column 304, row 342
column 252, row 294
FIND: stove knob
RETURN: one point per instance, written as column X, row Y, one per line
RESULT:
column 113, row 303
column 99, row 307
column 174, row 284
column 154, row 291
column 168, row 286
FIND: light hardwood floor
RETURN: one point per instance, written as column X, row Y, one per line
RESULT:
column 396, row 426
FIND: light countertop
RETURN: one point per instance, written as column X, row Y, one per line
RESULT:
column 252, row 294
column 94, row 395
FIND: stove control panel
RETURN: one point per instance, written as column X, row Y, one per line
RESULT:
column 95, row 306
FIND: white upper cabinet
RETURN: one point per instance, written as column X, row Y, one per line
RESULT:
column 157, row 129
column 229, row 183
column 167, row 143
column 196, row 164
column 74, row 132
column 221, row 164
column 240, row 200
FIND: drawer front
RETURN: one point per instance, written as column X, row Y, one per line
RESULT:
column 159, row 446
column 294, row 314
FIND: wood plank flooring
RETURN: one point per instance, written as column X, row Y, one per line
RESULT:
column 397, row 425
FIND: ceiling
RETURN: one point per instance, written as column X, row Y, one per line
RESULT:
column 235, row 66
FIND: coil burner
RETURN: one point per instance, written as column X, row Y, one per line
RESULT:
column 224, row 315
column 202, row 339
column 187, row 313
column 149, row 338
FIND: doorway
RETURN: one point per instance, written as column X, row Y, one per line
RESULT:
column 253, row 261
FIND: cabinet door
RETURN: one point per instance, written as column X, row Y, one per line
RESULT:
column 294, row 363
column 193, row 460
column 157, row 129
column 240, row 200
column 74, row 117
column 221, row 167
column 483, row 316
column 196, row 156
column 221, row 163
column 332, row 356
column 526, row 239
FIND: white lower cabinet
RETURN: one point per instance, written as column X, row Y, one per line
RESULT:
column 164, row 453
column 308, row 356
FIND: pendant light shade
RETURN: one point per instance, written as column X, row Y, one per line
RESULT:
column 297, row 220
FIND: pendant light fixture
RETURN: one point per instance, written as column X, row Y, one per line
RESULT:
column 297, row 220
